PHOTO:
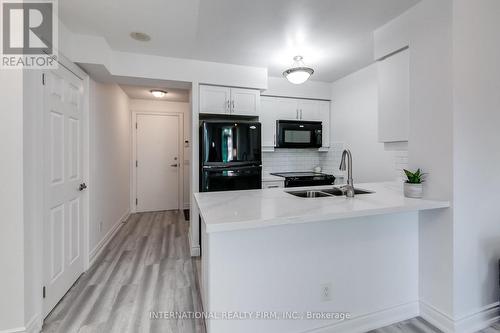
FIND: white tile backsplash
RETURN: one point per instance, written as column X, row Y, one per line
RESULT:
column 286, row 160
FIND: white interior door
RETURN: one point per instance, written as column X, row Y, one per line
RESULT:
column 158, row 162
column 63, row 195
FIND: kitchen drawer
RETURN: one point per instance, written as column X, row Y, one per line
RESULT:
column 273, row 184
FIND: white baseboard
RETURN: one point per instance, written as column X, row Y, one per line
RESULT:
column 14, row 330
column 472, row 323
column 437, row 318
column 195, row 251
column 96, row 252
column 33, row 326
column 371, row 321
column 479, row 320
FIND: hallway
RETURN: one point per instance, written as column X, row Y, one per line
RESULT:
column 146, row 267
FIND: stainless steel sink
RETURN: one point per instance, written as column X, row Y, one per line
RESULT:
column 309, row 194
column 329, row 192
column 339, row 191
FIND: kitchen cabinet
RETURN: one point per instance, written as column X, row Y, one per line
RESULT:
column 229, row 101
column 276, row 108
column 215, row 100
column 273, row 184
column 245, row 102
column 394, row 97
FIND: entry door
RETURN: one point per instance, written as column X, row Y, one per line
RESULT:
column 63, row 184
column 158, row 165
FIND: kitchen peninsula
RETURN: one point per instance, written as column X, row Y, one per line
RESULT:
column 271, row 251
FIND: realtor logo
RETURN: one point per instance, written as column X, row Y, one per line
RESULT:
column 29, row 34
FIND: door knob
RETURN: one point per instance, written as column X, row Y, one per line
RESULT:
column 173, row 165
column 82, row 187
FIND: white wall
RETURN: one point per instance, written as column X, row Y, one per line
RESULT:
column 476, row 154
column 109, row 160
column 354, row 122
column 279, row 86
column 430, row 144
column 11, row 200
column 175, row 107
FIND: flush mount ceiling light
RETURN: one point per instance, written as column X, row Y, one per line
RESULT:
column 158, row 93
column 140, row 36
column 299, row 73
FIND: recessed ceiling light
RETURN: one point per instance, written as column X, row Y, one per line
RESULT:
column 140, row 36
column 158, row 93
column 299, row 73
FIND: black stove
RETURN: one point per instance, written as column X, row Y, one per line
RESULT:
column 298, row 179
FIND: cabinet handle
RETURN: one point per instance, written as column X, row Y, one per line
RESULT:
column 273, row 186
column 297, row 116
column 228, row 106
column 232, row 105
column 301, row 114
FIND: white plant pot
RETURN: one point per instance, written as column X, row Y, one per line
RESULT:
column 414, row 190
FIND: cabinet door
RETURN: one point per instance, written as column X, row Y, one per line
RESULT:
column 268, row 121
column 273, row 184
column 309, row 110
column 394, row 106
column 324, row 110
column 286, row 109
column 245, row 102
column 214, row 100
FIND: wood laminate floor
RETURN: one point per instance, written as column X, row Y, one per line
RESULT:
column 419, row 325
column 146, row 267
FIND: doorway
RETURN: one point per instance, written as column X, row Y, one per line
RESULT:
column 64, row 205
column 158, row 162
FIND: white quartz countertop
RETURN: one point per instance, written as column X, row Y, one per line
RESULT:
column 237, row 210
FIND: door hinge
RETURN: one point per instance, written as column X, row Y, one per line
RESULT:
column 136, row 163
column 136, row 201
column 43, row 79
column 43, row 292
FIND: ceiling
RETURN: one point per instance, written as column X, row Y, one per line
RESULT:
column 141, row 92
column 334, row 36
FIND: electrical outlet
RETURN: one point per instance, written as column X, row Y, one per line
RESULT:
column 326, row 292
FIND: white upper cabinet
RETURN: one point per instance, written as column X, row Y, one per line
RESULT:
column 268, row 118
column 285, row 109
column 394, row 97
column 309, row 110
column 245, row 102
column 215, row 100
column 229, row 101
column 324, row 111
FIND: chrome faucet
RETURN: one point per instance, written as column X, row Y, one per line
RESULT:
column 349, row 188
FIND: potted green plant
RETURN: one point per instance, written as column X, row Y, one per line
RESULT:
column 413, row 187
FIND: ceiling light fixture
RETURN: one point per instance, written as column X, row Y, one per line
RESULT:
column 140, row 36
column 299, row 73
column 158, row 93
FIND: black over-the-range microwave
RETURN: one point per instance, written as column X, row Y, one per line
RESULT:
column 298, row 134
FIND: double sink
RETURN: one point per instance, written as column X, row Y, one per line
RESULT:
column 329, row 192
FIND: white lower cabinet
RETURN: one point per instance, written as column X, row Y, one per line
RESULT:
column 273, row 184
column 276, row 108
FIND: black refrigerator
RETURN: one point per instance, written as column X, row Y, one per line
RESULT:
column 230, row 155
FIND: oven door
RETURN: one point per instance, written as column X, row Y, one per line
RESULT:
column 215, row 179
column 298, row 134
